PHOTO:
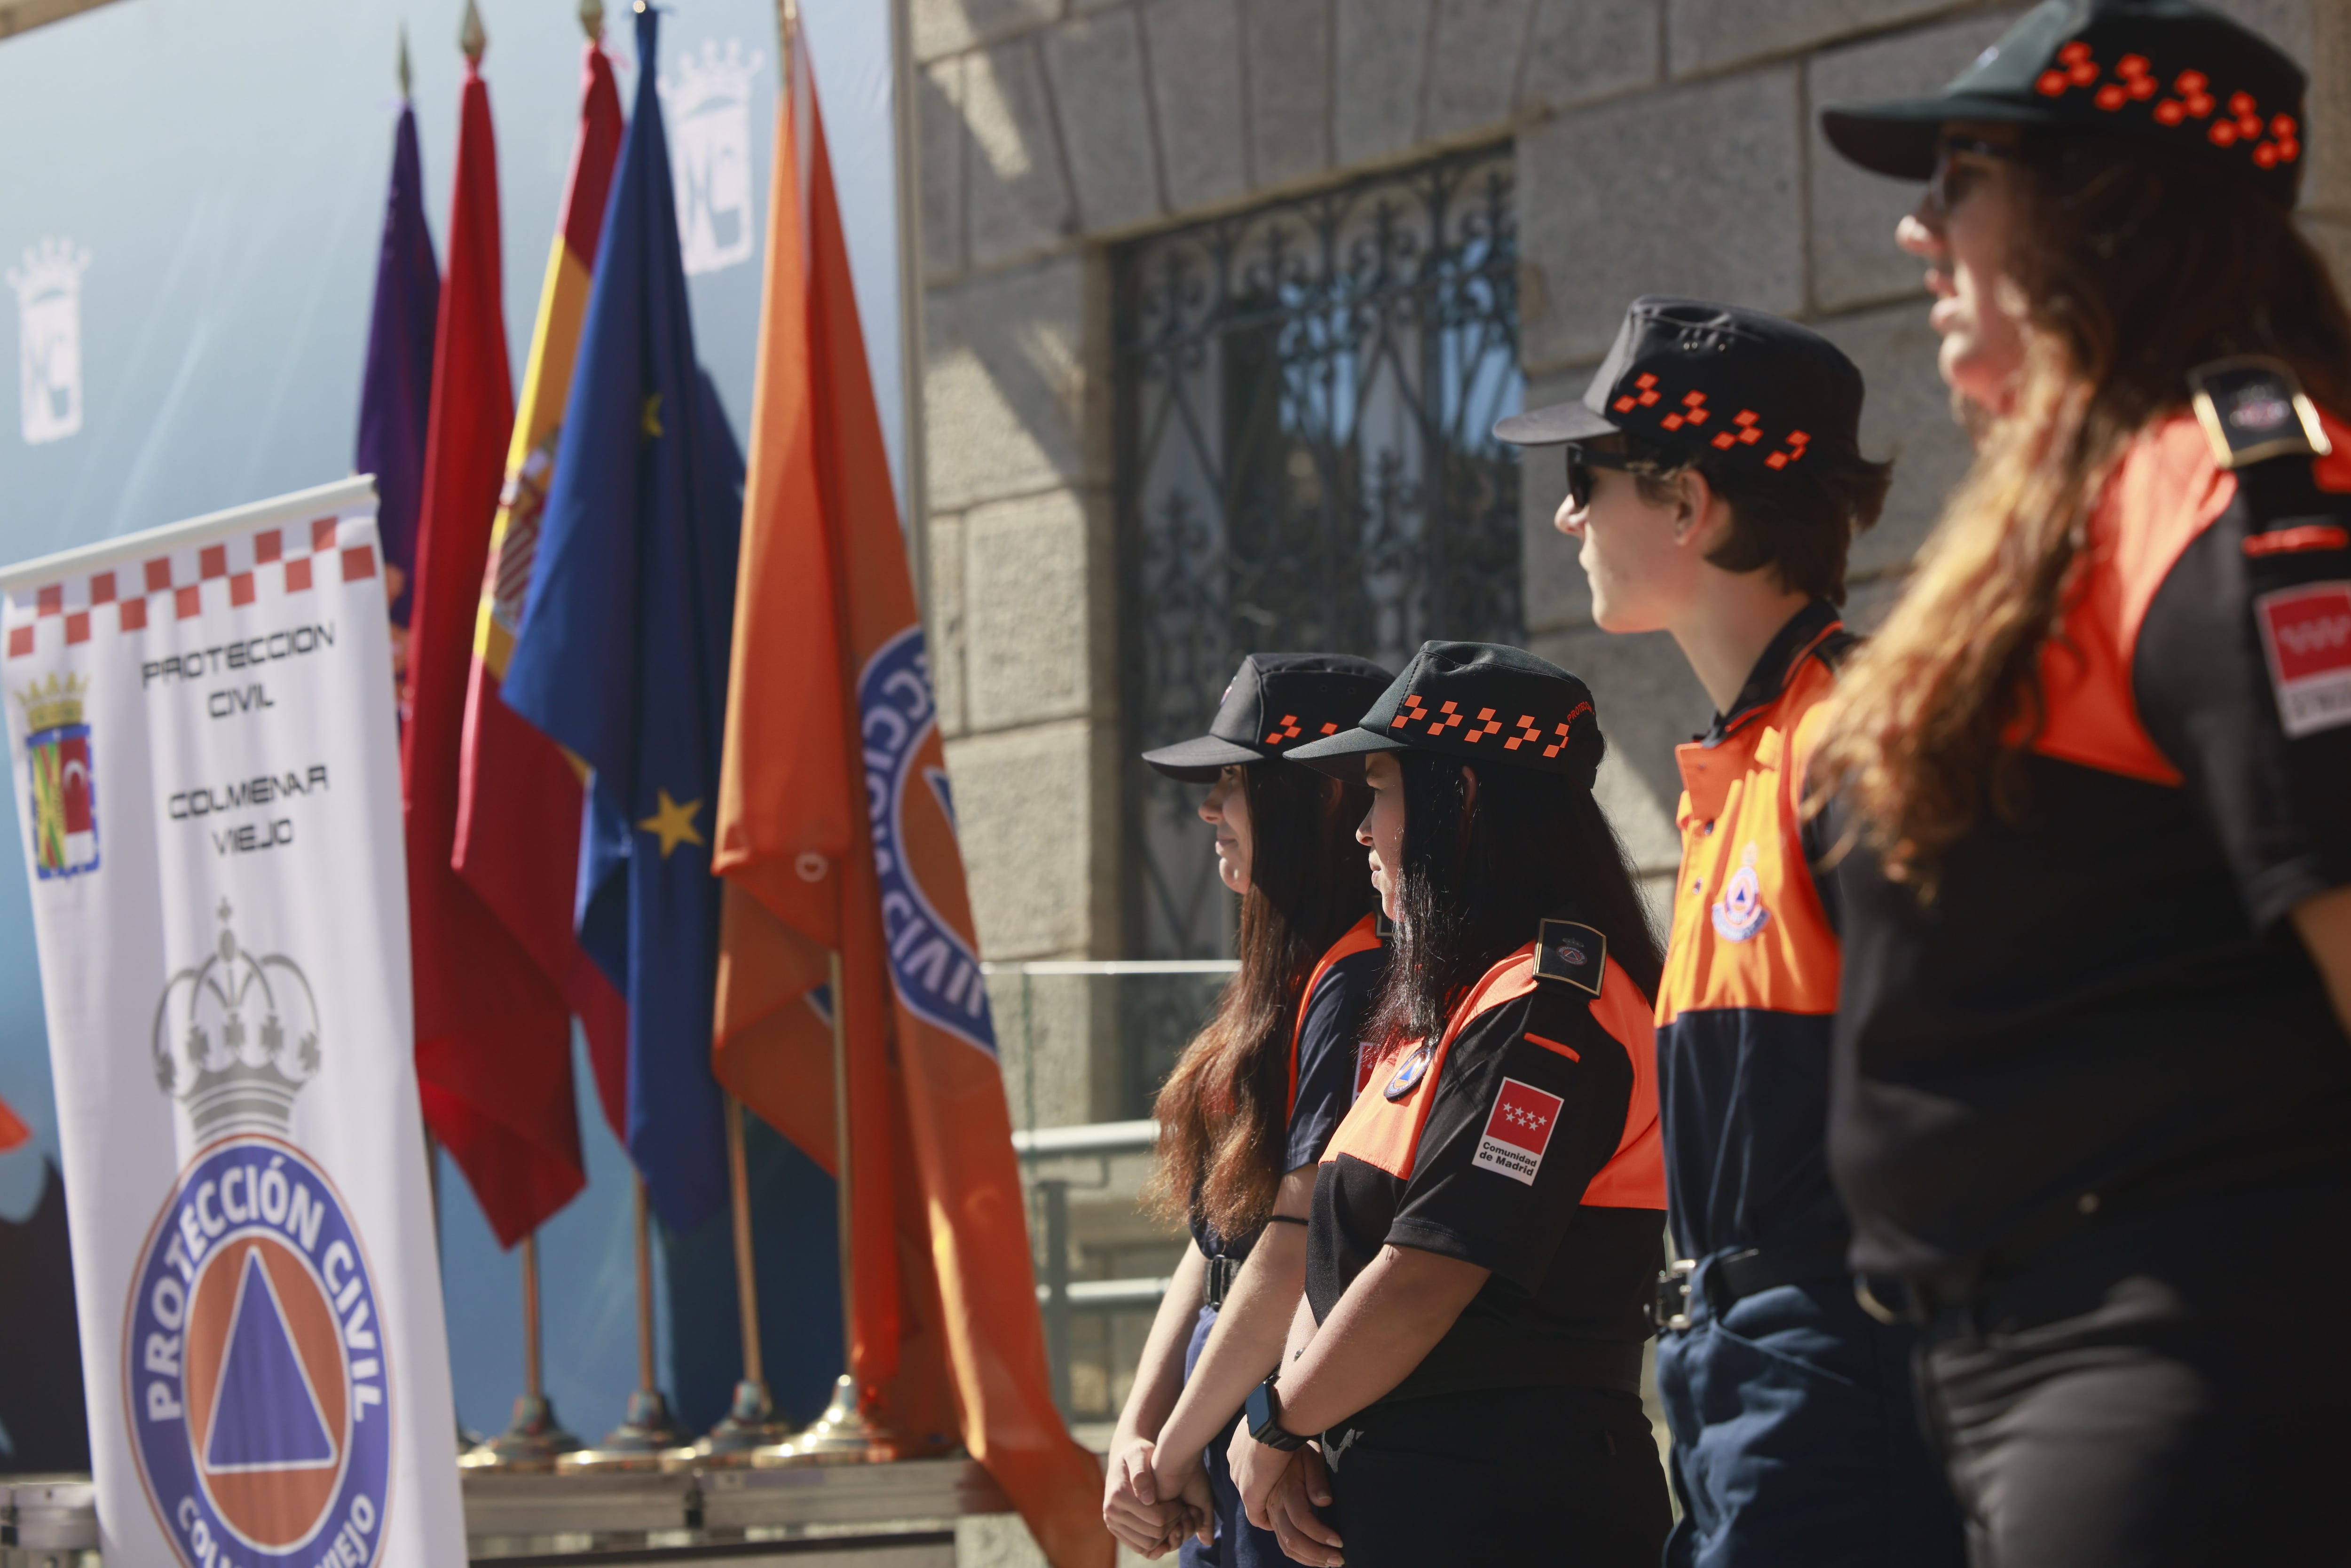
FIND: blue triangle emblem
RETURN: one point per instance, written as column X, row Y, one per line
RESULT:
column 264, row 1414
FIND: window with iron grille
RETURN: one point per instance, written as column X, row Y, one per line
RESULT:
column 1305, row 393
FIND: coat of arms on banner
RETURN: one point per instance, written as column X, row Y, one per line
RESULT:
column 709, row 109
column 49, row 339
column 253, row 1371
column 57, row 757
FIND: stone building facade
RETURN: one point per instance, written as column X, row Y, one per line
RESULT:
column 1657, row 146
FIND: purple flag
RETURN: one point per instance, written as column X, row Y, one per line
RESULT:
column 397, row 388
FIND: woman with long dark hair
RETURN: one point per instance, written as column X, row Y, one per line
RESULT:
column 1245, row 1115
column 1487, row 1220
column 2093, row 1082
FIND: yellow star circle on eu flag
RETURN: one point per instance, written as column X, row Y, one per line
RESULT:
column 674, row 822
column 651, row 424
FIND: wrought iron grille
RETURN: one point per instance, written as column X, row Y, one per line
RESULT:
column 1304, row 397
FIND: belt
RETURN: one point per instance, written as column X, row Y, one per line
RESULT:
column 1222, row 1272
column 1736, row 1272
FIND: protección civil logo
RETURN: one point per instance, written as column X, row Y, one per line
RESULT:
column 253, row 1370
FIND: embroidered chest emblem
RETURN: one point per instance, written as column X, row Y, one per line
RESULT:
column 1740, row 913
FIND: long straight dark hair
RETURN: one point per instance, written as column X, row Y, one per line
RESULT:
column 1224, row 1111
column 1478, row 875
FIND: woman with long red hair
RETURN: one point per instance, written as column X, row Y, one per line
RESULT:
column 2092, row 1082
column 1245, row 1115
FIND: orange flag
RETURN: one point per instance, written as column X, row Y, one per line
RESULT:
column 835, row 832
column 13, row 1132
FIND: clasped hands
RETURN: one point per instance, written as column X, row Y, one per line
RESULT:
column 1153, row 1500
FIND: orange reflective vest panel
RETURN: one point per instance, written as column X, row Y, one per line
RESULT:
column 1749, row 991
column 1356, row 954
column 1523, row 1140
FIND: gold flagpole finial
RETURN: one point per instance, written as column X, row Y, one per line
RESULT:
column 592, row 17
column 470, row 35
column 405, row 93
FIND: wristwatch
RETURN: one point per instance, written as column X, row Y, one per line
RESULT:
column 1264, row 1413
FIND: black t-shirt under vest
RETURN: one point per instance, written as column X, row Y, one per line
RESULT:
column 1524, row 1141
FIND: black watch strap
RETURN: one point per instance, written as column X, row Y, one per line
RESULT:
column 1264, row 1413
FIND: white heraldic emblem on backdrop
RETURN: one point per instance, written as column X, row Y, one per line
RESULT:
column 49, row 339
column 203, row 740
column 708, row 104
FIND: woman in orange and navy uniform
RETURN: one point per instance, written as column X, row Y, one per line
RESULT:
column 2092, row 1079
column 1485, row 1219
column 1243, row 1116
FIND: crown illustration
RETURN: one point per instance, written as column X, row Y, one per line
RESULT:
column 52, row 266
column 714, row 75
column 53, row 706
column 236, row 1037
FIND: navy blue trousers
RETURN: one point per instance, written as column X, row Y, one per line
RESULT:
column 1240, row 1543
column 1796, row 1441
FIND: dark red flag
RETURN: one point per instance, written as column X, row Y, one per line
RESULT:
column 493, row 1034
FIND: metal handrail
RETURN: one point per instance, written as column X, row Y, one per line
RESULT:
column 1113, row 966
column 1094, row 1138
column 1060, row 1296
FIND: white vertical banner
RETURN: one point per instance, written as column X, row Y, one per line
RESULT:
column 202, row 737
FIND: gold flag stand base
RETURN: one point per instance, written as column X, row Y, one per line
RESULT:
column 841, row 1435
column 648, row 1438
column 533, row 1441
column 751, row 1426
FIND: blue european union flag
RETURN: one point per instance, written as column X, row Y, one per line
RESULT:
column 624, row 651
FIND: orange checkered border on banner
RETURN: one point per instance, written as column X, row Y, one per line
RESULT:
column 175, row 586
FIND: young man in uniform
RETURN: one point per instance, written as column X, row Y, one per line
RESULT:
column 1716, row 480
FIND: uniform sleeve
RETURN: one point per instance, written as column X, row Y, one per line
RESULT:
column 2241, row 671
column 1518, row 1129
column 1328, row 1039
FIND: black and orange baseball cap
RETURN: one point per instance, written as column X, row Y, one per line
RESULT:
column 2170, row 70
column 1274, row 703
column 1697, row 378
column 1480, row 702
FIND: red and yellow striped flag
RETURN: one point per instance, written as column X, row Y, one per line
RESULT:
column 519, row 801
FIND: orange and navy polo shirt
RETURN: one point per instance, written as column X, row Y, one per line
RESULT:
column 1328, row 1059
column 1524, row 1140
column 1749, row 988
column 2104, row 997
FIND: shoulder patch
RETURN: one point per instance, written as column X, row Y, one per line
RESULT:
column 2252, row 408
column 2306, row 638
column 1518, row 1131
column 1570, row 951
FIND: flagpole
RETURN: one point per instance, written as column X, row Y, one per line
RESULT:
column 534, row 1439
column 648, row 1437
column 844, row 1434
column 751, row 1424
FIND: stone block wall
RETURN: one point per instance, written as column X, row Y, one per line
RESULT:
column 1661, row 146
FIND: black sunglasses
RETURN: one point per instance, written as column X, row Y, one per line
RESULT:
column 1953, row 181
column 1582, row 461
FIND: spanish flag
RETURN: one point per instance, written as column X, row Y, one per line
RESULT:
column 493, row 1035
column 835, row 831
column 518, row 796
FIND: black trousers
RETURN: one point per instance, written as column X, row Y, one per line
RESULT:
column 2164, row 1386
column 1554, row 1476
